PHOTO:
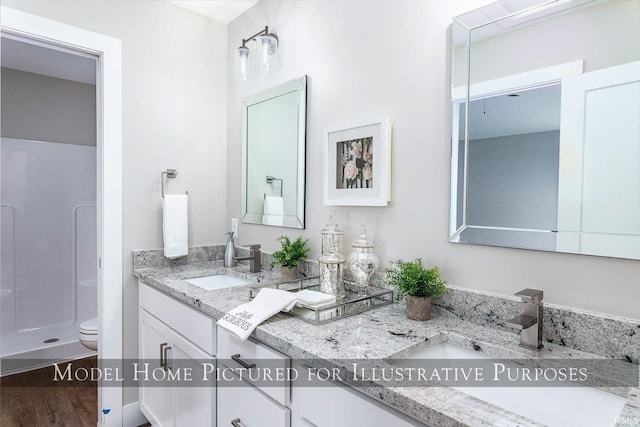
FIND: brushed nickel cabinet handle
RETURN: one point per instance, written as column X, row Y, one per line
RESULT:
column 165, row 350
column 163, row 362
column 236, row 422
column 236, row 357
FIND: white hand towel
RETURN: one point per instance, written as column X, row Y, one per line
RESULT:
column 175, row 226
column 243, row 319
column 273, row 211
column 273, row 206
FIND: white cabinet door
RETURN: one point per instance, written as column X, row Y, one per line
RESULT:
column 156, row 403
column 194, row 406
column 178, row 404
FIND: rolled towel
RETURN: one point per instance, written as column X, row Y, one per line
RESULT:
column 243, row 319
column 175, row 225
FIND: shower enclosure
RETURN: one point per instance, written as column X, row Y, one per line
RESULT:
column 48, row 251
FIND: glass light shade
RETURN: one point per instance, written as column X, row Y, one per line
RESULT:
column 243, row 64
column 268, row 45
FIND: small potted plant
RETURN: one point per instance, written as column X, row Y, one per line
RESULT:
column 289, row 255
column 417, row 283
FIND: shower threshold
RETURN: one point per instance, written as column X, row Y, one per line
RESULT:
column 27, row 350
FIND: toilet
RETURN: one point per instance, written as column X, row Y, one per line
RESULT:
column 88, row 334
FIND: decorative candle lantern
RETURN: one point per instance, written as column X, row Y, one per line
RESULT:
column 332, row 262
column 363, row 261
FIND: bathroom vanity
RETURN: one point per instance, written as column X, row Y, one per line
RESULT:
column 177, row 321
column 171, row 333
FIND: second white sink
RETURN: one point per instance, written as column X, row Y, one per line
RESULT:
column 554, row 406
column 218, row 281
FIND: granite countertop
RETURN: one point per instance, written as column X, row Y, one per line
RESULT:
column 378, row 335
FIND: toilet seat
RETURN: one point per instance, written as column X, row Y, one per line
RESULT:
column 89, row 327
column 88, row 334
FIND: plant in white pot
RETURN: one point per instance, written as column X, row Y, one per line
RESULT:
column 417, row 283
column 289, row 256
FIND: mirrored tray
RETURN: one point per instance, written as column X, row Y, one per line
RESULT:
column 353, row 302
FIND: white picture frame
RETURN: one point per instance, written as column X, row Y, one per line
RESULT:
column 357, row 163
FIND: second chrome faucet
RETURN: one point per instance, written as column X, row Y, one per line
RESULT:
column 254, row 258
column 530, row 319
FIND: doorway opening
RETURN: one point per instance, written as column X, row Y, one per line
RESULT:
column 107, row 52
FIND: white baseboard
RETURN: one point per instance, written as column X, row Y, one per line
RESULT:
column 131, row 415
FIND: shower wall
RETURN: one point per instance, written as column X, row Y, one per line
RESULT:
column 48, row 236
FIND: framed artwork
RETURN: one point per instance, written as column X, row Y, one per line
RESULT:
column 357, row 163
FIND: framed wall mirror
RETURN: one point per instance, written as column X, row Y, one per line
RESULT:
column 273, row 155
column 546, row 126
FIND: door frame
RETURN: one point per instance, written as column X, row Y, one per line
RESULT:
column 108, row 52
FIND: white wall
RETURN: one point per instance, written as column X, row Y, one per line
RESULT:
column 370, row 57
column 174, row 116
column 43, row 108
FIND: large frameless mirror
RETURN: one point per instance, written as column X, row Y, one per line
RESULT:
column 273, row 155
column 546, row 126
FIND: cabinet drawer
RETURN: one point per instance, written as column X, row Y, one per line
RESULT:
column 331, row 404
column 267, row 362
column 193, row 325
column 248, row 407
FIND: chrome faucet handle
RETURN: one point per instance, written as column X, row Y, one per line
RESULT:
column 521, row 322
column 531, row 296
column 529, row 322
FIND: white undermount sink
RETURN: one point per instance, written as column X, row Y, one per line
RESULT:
column 553, row 406
column 217, row 281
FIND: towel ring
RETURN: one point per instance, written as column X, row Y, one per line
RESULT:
column 270, row 180
column 170, row 173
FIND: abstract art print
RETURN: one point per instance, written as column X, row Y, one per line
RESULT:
column 355, row 163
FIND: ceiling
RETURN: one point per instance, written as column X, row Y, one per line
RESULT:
column 223, row 11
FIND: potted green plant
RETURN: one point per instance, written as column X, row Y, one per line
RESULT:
column 417, row 283
column 289, row 255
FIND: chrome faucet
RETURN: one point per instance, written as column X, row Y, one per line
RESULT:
column 530, row 319
column 254, row 258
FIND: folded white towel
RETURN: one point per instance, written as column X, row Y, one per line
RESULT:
column 243, row 319
column 273, row 211
column 175, row 228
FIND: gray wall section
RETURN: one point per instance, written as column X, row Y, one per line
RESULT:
column 43, row 108
column 513, row 181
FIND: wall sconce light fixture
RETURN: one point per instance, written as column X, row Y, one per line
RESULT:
column 266, row 56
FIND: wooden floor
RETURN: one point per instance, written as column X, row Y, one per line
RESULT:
column 33, row 399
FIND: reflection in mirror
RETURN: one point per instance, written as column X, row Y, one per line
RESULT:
column 273, row 155
column 546, row 135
